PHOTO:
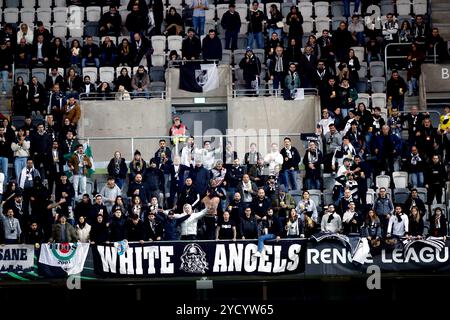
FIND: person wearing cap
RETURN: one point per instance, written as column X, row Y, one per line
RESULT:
column 231, row 23
column 178, row 130
column 191, row 46
column 79, row 164
column 170, row 223
column 251, row 69
column 63, row 231
column 283, row 203
column 137, row 165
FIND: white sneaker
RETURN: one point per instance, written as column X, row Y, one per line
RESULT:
column 256, row 255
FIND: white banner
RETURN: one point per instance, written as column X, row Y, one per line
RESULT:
column 16, row 258
column 68, row 256
column 210, row 79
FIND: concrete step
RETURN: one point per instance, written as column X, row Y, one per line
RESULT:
column 441, row 15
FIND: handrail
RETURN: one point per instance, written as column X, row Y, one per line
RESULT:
column 113, row 95
column 170, row 63
column 269, row 92
column 386, row 57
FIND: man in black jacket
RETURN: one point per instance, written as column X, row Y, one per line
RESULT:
column 154, row 179
column 251, row 69
column 110, row 23
column 212, row 47
column 231, row 23
column 41, row 144
column 191, row 46
column 289, row 168
column 139, row 189
column 90, row 53
column 435, row 180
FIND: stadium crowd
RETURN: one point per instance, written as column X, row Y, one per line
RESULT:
column 209, row 193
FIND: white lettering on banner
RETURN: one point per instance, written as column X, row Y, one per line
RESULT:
column 397, row 255
column 312, row 256
column 374, row 280
column 236, row 257
column 445, row 74
column 385, row 259
column 325, row 256
column 166, row 265
column 279, row 265
column 444, row 258
column 220, row 260
column 426, row 255
column 138, row 253
column 264, row 264
column 293, row 254
column 109, row 258
column 126, row 262
column 250, row 265
column 151, row 253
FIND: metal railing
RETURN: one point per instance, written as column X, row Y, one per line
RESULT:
column 387, row 57
column 177, row 63
column 120, row 96
column 263, row 91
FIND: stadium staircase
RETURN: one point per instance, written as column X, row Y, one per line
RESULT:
column 440, row 17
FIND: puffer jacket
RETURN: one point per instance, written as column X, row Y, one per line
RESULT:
column 21, row 150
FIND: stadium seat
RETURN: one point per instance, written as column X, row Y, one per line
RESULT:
column 91, row 72
column 158, row 59
column 423, row 194
column 362, row 72
column 260, row 54
column 174, row 43
column 27, row 15
column 420, row 7
column 308, row 25
column 44, row 3
column 226, row 57
column 359, row 53
column 159, row 44
column 44, row 14
column 93, row 14
column 60, row 14
column 316, row 196
column 327, row 196
column 59, row 30
column 157, row 74
column 210, row 14
column 242, row 10
column 285, row 8
column 40, row 74
column 296, row 194
column 401, row 195
column 107, row 74
column 383, row 181
column 403, row 7
column 322, row 23
column 337, row 9
column 221, row 9
column 306, row 9
column 376, row 69
column 361, row 85
column 90, row 29
column 75, row 15
column 321, row 9
column 387, row 6
column 242, row 41
column 13, row 3
column 238, row 54
column 11, row 15
column 364, row 98
column 22, row 72
column 157, row 86
column 370, row 196
column 379, row 100
column 378, row 84
column 28, row 4
column 400, row 179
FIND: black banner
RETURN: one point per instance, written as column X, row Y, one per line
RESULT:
column 182, row 259
column 332, row 257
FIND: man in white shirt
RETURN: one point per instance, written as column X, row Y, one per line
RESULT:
column 274, row 159
column 398, row 224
